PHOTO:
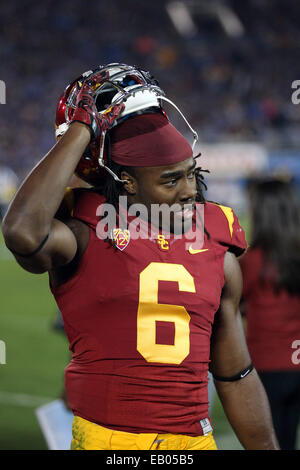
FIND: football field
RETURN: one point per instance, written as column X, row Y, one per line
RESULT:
column 36, row 356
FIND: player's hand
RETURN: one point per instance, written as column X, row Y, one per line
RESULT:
column 86, row 111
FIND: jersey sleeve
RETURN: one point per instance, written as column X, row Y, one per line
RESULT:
column 82, row 204
column 224, row 227
column 86, row 206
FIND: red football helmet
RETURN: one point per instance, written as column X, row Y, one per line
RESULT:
column 139, row 92
column 137, row 89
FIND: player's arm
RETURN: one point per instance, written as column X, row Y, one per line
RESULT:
column 39, row 241
column 239, row 388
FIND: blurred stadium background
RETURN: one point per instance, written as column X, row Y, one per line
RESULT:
column 228, row 65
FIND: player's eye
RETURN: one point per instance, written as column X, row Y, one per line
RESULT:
column 171, row 182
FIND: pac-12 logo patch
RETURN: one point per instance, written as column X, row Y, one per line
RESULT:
column 121, row 238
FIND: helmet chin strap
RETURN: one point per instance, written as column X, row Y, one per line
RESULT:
column 195, row 135
column 101, row 160
column 116, row 178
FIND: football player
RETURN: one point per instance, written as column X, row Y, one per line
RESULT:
column 146, row 317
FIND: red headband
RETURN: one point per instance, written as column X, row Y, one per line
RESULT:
column 148, row 140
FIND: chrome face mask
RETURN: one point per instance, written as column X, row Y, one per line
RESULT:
column 137, row 89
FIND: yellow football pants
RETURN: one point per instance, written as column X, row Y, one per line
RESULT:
column 91, row 436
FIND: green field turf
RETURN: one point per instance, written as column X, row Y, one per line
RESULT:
column 36, row 356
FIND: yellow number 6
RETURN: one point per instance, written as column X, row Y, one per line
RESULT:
column 150, row 311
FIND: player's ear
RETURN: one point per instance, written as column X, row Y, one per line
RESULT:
column 131, row 182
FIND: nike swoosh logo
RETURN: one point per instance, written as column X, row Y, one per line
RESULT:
column 244, row 375
column 194, row 252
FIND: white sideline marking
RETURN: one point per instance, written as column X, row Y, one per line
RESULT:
column 22, row 399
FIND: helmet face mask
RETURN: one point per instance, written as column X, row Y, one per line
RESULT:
column 137, row 89
column 123, row 84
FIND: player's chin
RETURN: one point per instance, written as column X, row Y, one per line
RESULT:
column 182, row 220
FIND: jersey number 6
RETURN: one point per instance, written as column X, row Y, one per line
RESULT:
column 150, row 311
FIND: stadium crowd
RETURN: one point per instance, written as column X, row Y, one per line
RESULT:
column 232, row 88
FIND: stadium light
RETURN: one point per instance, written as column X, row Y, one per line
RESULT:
column 229, row 20
column 181, row 18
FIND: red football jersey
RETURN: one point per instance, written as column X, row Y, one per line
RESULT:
column 273, row 320
column 139, row 322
